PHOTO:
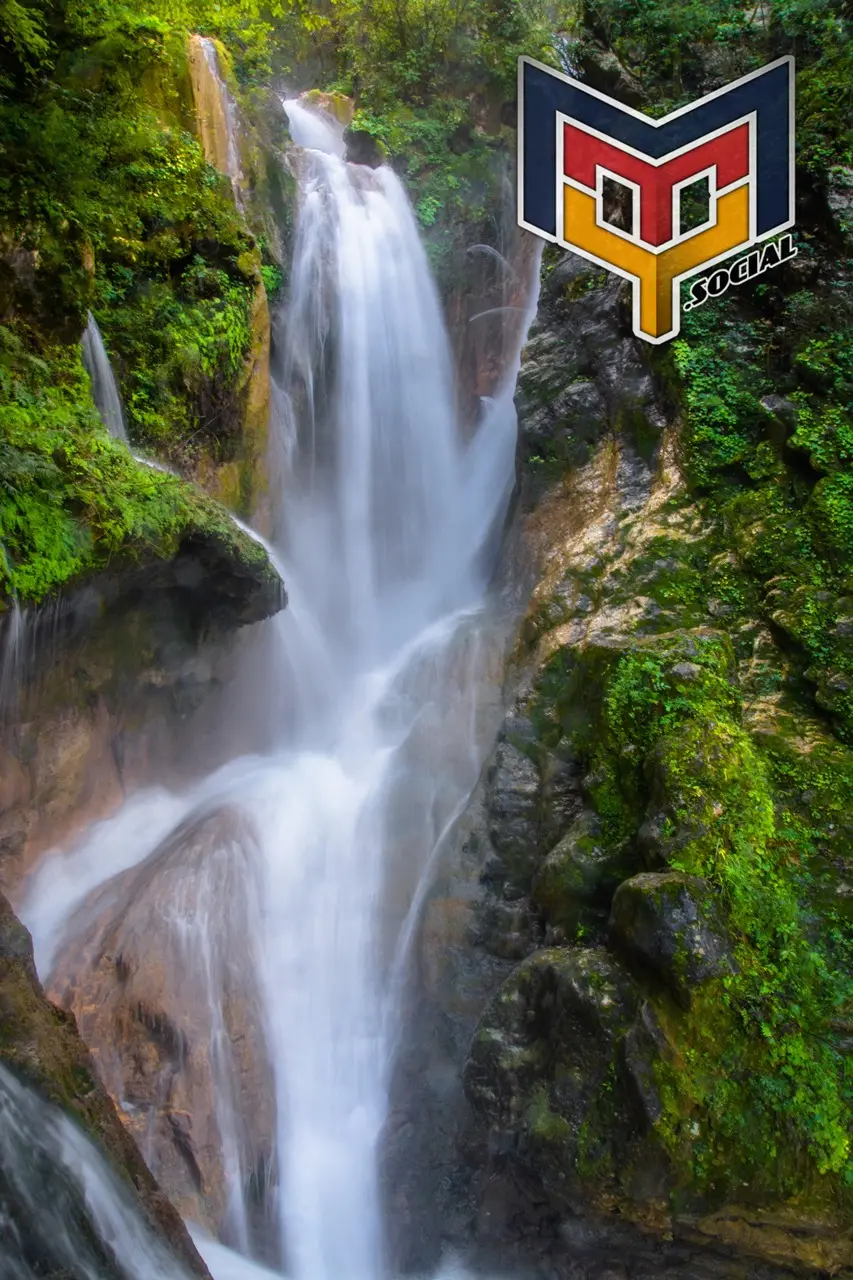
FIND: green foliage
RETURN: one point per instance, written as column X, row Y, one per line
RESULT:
column 100, row 169
column 417, row 50
column 657, row 725
column 72, row 499
column 793, row 537
column 669, row 40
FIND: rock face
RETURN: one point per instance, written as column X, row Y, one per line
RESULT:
column 582, row 375
column 227, row 147
column 40, row 1044
column 117, row 684
column 488, row 303
column 158, row 968
column 579, row 950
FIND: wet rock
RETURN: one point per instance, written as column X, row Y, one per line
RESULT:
column 160, row 972
column 571, row 424
column 513, row 808
column 363, row 148
column 530, row 797
column 673, row 923
column 581, row 871
column 41, row 1044
column 540, row 1057
column 583, row 372
column 124, row 683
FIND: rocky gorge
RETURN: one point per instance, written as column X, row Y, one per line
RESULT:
column 623, row 1039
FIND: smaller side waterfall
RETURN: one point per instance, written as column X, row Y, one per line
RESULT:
column 12, row 628
column 61, row 1207
column 217, row 113
column 104, row 388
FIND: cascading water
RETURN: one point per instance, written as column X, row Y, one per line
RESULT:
column 385, row 540
column 231, row 157
column 104, row 389
column 86, row 1221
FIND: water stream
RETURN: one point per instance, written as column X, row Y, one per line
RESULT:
column 380, row 684
column 228, row 107
column 104, row 389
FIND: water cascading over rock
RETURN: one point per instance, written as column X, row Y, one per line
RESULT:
column 215, row 111
column 179, row 1029
column 376, row 701
column 104, row 388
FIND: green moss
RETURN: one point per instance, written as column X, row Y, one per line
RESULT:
column 544, row 1124
column 72, row 499
column 657, row 722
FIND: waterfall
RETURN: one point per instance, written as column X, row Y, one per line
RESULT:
column 377, row 685
column 217, row 114
column 104, row 388
column 81, row 1220
column 12, row 635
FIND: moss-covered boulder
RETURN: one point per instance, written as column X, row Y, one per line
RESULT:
column 580, row 874
column 542, row 1052
column 76, row 503
column 562, row 1071
column 673, row 923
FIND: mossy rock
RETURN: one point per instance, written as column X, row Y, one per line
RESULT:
column 364, row 148
column 551, row 1073
column 333, row 103
column 581, row 872
column 708, row 790
column 673, row 923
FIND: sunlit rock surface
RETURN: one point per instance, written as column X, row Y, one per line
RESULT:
column 160, row 971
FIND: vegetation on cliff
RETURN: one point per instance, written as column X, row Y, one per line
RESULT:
column 73, row 500
column 107, row 203
column 696, row 680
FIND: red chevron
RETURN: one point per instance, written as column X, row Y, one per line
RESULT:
column 729, row 153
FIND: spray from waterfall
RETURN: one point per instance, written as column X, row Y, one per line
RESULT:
column 85, row 1223
column 104, row 388
column 388, row 526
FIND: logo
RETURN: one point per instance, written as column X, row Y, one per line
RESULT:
column 740, row 139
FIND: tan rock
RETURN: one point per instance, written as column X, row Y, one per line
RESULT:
column 159, row 971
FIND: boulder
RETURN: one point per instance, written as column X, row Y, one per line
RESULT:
column 582, row 871
column 363, row 148
column 540, row 1061
column 158, row 968
column 673, row 923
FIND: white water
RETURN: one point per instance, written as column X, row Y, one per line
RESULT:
column 104, row 389
column 380, row 665
column 229, row 110
column 47, row 1165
